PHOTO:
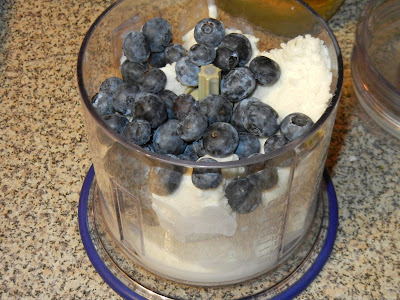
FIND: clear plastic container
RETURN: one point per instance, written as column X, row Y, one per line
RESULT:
column 375, row 63
column 196, row 238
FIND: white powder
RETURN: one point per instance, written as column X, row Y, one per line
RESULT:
column 305, row 78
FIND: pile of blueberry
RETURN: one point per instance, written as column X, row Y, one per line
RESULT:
column 140, row 108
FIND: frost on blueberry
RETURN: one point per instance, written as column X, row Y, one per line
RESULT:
column 192, row 126
column 183, row 104
column 189, row 153
column 275, row 142
column 198, row 147
column 116, row 122
column 138, row 132
column 149, row 107
column 265, row 70
column 243, row 196
column 260, row 119
column 220, row 139
column 238, row 84
column 157, row 59
column 174, row 52
column 152, row 81
column 166, row 139
column 132, row 71
column 238, row 113
column 103, row 103
column 202, row 54
column 209, row 31
column 158, row 33
column 295, row 125
column 226, row 59
column 206, row 178
column 216, row 108
column 239, row 44
column 135, row 47
column 168, row 97
column 248, row 145
column 110, row 84
column 187, row 73
column 123, row 97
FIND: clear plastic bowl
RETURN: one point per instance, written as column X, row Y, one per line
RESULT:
column 208, row 246
column 375, row 63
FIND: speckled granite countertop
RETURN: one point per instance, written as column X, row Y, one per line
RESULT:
column 44, row 158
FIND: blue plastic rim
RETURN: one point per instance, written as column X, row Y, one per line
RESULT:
column 127, row 293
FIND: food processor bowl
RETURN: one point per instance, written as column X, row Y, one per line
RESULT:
column 194, row 237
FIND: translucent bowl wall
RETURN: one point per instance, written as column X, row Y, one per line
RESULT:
column 207, row 245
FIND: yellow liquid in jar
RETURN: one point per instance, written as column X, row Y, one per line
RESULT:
column 325, row 8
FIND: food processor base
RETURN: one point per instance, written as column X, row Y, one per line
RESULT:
column 132, row 281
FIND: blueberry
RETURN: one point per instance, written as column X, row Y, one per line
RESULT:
column 260, row 119
column 135, row 47
column 168, row 97
column 152, row 81
column 149, row 107
column 243, row 196
column 263, row 175
column 110, row 85
column 238, row 113
column 165, row 179
column 216, row 108
column 123, row 97
column 192, row 126
column 295, row 125
column 240, row 44
column 226, row 59
column 116, row 122
column 102, row 103
column 202, row 54
column 248, row 144
column 132, row 71
column 138, row 131
column 265, row 70
column 220, row 139
column 275, row 142
column 238, row 84
column 189, row 153
column 166, row 139
column 187, row 73
column 198, row 147
column 206, row 178
column 157, row 59
column 158, row 33
column 174, row 52
column 183, row 104
column 209, row 31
